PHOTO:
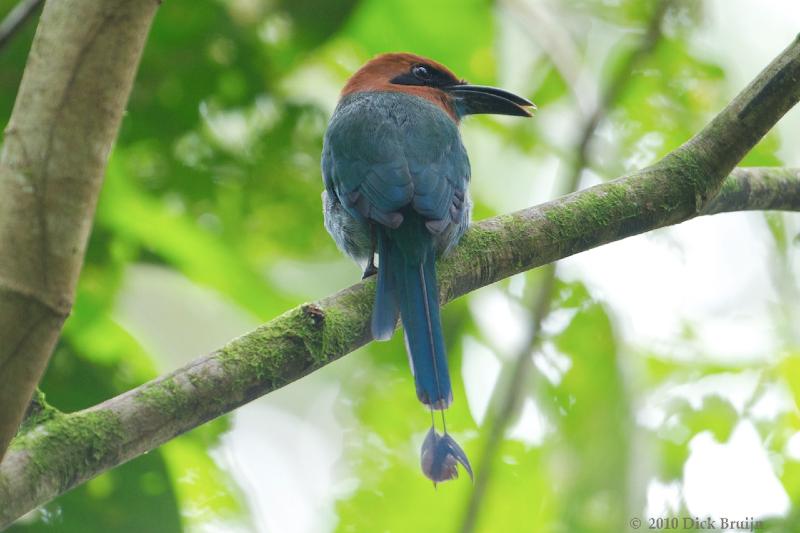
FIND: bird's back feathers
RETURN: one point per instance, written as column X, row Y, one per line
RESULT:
column 386, row 151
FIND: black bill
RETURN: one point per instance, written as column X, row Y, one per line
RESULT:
column 480, row 99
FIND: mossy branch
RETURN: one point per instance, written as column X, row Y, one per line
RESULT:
column 68, row 449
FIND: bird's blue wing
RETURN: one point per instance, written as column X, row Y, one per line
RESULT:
column 440, row 170
column 387, row 151
column 364, row 164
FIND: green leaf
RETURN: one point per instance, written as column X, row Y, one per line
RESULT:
column 464, row 43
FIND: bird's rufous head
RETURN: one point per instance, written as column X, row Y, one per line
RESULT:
column 425, row 78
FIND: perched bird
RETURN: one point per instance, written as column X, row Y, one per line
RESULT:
column 396, row 175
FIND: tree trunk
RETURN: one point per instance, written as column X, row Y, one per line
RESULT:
column 66, row 116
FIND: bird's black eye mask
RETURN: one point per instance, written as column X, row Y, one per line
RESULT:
column 425, row 75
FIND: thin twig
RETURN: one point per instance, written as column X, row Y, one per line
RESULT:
column 15, row 20
column 509, row 401
column 608, row 99
column 511, row 394
column 540, row 21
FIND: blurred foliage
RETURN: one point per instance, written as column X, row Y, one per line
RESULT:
column 215, row 177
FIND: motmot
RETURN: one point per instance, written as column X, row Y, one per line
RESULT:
column 396, row 174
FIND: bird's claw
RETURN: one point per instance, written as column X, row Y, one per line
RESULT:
column 369, row 271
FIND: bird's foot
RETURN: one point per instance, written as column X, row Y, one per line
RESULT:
column 371, row 270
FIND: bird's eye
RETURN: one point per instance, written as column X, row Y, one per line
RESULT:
column 421, row 72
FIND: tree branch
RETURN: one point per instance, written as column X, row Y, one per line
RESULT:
column 757, row 189
column 66, row 450
column 68, row 109
column 726, row 140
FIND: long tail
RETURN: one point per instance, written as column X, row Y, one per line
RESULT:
column 414, row 280
column 407, row 283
